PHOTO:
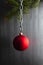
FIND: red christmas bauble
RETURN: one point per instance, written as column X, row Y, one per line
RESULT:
column 21, row 42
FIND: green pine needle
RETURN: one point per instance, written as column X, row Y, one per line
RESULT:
column 15, row 4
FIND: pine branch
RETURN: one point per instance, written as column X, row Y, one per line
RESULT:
column 13, row 6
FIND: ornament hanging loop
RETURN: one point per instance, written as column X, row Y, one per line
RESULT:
column 21, row 16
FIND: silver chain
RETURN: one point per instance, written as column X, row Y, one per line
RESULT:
column 21, row 15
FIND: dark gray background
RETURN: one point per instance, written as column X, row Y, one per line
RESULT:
column 33, row 29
